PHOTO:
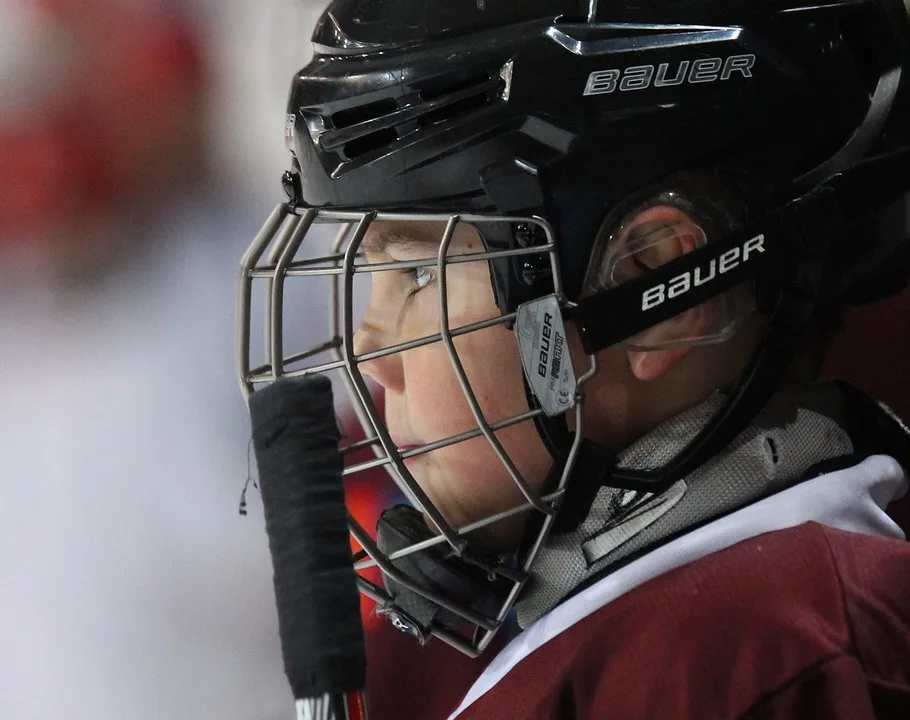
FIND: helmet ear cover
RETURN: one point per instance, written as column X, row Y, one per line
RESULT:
column 688, row 211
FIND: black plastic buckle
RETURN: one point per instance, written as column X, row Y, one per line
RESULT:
column 403, row 622
column 293, row 188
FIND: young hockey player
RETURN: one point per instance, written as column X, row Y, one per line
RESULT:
column 608, row 244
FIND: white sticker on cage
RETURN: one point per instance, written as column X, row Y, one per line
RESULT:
column 544, row 356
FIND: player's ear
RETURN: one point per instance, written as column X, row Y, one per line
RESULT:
column 648, row 240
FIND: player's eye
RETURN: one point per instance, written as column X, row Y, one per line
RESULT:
column 421, row 277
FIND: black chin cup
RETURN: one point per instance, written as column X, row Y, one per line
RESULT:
column 474, row 584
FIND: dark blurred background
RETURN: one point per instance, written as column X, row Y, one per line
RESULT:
column 141, row 143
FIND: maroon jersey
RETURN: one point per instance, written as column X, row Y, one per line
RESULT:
column 407, row 681
column 807, row 622
column 801, row 620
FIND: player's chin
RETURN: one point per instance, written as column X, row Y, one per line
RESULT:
column 420, row 468
column 501, row 536
column 465, row 503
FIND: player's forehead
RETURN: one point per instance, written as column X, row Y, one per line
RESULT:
column 410, row 236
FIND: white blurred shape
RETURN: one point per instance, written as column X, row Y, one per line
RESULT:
column 257, row 48
column 131, row 586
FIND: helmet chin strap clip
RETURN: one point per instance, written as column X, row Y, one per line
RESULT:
column 403, row 622
column 292, row 186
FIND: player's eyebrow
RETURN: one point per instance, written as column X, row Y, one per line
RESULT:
column 377, row 242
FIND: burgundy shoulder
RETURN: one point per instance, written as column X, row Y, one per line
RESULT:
column 706, row 640
column 875, row 576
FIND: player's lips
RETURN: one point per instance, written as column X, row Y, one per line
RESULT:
column 404, row 447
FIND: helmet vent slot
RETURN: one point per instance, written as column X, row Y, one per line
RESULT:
column 363, row 113
column 370, row 128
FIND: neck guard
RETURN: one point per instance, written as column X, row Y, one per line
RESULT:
column 799, row 428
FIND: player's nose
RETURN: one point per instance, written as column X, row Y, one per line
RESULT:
column 386, row 370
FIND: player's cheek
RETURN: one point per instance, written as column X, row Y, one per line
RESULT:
column 435, row 401
column 492, row 364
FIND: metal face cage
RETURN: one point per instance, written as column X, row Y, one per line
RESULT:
column 288, row 246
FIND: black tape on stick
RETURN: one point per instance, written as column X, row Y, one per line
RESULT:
column 295, row 436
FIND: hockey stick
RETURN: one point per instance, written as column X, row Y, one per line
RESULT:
column 295, row 436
